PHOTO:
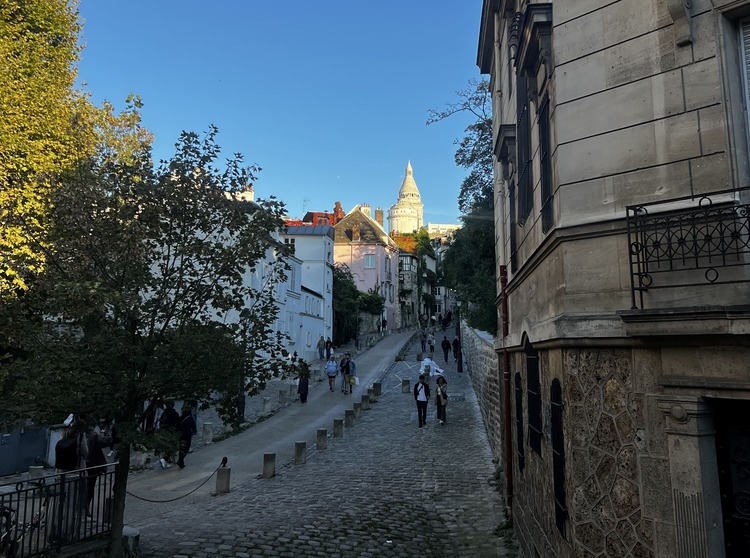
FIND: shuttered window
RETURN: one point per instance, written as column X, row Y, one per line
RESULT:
column 744, row 33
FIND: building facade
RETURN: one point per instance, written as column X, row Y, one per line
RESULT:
column 621, row 208
column 372, row 257
column 406, row 215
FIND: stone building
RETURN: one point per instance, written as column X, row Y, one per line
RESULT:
column 406, row 215
column 621, row 167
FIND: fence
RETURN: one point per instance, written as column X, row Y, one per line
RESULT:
column 55, row 511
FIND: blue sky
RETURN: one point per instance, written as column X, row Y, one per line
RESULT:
column 330, row 98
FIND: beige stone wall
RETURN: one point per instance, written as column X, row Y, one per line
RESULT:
column 481, row 361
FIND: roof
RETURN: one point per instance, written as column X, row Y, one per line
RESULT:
column 311, row 230
column 408, row 186
column 370, row 231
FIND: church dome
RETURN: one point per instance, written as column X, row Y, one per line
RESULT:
column 408, row 186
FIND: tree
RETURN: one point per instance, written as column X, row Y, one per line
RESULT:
column 345, row 305
column 39, row 127
column 148, row 294
column 469, row 263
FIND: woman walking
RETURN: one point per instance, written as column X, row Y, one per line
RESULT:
column 332, row 369
column 442, row 399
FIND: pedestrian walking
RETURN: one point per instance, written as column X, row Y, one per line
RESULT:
column 71, row 453
column 332, row 370
column 456, row 348
column 446, row 346
column 303, row 384
column 187, row 430
column 95, row 462
column 431, row 343
column 344, row 369
column 329, row 347
column 422, row 396
column 423, row 340
column 321, row 347
column 169, row 421
column 441, row 399
column 350, row 374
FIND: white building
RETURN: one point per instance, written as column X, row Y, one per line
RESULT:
column 405, row 216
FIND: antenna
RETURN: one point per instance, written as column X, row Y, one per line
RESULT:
column 304, row 206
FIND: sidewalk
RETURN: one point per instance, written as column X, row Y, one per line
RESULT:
column 385, row 488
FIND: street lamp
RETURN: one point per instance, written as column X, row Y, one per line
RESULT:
column 460, row 355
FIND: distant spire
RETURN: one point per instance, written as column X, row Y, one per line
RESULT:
column 408, row 186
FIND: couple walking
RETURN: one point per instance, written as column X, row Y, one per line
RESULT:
column 422, row 397
column 348, row 370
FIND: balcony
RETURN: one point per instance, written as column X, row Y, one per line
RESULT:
column 689, row 243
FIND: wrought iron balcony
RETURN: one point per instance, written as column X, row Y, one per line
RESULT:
column 689, row 242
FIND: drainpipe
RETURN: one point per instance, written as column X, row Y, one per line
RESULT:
column 506, row 390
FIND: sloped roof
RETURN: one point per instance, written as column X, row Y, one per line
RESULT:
column 370, row 231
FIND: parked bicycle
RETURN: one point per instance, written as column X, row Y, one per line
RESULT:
column 14, row 531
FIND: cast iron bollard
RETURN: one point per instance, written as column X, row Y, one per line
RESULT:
column 266, row 404
column 223, row 475
column 338, row 428
column 282, row 396
column 377, row 388
column 322, row 439
column 365, row 402
column 269, row 465
column 208, row 433
column 349, row 418
column 300, row 453
column 357, row 410
column 130, row 538
column 405, row 386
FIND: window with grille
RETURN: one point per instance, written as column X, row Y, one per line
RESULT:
column 524, row 182
column 558, row 455
column 520, row 450
column 534, row 398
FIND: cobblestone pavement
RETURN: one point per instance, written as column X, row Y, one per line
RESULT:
column 385, row 488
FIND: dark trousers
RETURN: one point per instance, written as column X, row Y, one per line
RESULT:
column 184, row 450
column 422, row 412
column 441, row 412
column 445, row 354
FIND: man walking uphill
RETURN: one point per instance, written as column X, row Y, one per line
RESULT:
column 446, row 346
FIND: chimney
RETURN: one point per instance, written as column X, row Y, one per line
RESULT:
column 365, row 208
column 379, row 216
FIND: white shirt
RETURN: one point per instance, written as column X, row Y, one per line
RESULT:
column 421, row 396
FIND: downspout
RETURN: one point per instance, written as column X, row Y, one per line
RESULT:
column 506, row 390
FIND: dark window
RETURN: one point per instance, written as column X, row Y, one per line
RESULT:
column 558, row 455
column 290, row 243
column 524, row 181
column 534, row 397
column 520, row 451
column 513, row 222
column 545, row 160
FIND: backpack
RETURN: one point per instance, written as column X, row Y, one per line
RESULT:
column 66, row 453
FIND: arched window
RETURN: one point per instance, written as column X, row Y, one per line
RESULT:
column 520, row 450
column 534, row 398
column 558, row 455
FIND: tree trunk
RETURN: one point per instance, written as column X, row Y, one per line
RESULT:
column 118, row 506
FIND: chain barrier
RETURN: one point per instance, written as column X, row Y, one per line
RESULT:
column 223, row 464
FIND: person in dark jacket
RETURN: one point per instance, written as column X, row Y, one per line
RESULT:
column 456, row 348
column 422, row 396
column 441, row 399
column 187, row 430
column 446, row 346
column 95, row 462
column 169, row 421
column 303, row 384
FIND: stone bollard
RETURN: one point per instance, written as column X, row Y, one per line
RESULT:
column 357, row 410
column 282, row 396
column 322, row 439
column 266, row 404
column 371, row 394
column 377, row 387
column 321, row 373
column 365, row 402
column 300, row 453
column 338, row 428
column 208, row 433
column 223, row 475
column 269, row 465
column 130, row 538
column 405, row 386
column 349, row 418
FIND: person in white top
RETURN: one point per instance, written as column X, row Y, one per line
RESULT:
column 422, row 396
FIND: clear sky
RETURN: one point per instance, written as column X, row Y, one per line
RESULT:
column 329, row 97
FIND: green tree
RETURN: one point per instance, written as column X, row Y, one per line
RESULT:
column 148, row 294
column 345, row 305
column 469, row 264
column 40, row 133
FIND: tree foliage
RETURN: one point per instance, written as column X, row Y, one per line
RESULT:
column 469, row 264
column 158, row 284
column 40, row 126
column 345, row 305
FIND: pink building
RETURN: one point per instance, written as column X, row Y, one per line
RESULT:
column 362, row 244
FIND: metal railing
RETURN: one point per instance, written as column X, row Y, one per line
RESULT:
column 47, row 513
column 688, row 242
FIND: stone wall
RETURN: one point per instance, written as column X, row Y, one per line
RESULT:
column 481, row 361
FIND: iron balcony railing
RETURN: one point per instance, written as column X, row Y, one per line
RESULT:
column 39, row 516
column 689, row 242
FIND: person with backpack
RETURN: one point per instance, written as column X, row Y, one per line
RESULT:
column 71, row 452
column 187, row 429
